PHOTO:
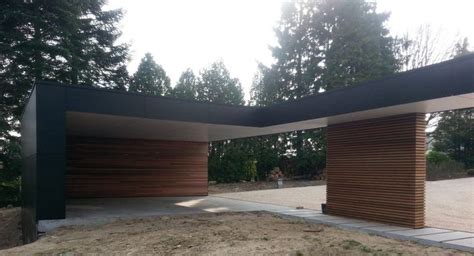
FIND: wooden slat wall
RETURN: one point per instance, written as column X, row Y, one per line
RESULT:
column 376, row 170
column 105, row 167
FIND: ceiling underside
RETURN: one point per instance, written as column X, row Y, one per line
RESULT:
column 113, row 126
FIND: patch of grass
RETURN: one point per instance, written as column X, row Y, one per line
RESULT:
column 352, row 244
column 349, row 244
column 299, row 253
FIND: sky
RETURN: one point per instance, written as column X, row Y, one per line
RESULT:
column 183, row 34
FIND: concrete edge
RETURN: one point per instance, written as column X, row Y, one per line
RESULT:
column 385, row 234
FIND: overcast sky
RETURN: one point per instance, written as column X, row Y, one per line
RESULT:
column 194, row 33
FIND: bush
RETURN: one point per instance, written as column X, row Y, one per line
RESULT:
column 470, row 172
column 436, row 157
column 250, row 170
column 445, row 170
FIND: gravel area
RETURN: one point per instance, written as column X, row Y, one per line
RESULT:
column 449, row 203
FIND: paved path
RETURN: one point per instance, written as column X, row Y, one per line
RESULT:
column 449, row 204
column 96, row 211
column 428, row 236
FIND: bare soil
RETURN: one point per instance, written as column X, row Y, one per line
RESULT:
column 260, row 185
column 217, row 234
column 10, row 227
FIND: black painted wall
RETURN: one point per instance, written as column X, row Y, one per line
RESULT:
column 28, row 179
column 43, row 141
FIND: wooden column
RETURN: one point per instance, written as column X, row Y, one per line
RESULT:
column 376, row 170
column 108, row 167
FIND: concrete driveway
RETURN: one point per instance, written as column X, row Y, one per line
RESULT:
column 449, row 203
column 105, row 210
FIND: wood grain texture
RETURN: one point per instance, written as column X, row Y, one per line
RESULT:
column 376, row 170
column 107, row 167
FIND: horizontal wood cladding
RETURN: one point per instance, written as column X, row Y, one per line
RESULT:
column 109, row 167
column 376, row 170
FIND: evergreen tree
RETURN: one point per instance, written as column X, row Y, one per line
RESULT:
column 216, row 85
column 264, row 89
column 454, row 135
column 356, row 45
column 65, row 41
column 297, row 55
column 186, row 88
column 150, row 78
column 322, row 45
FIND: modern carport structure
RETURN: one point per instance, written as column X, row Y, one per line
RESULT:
column 81, row 142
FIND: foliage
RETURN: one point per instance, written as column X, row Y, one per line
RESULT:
column 186, row 88
column 10, row 174
column 150, row 78
column 10, row 192
column 445, row 170
column 216, row 85
column 232, row 163
column 68, row 41
column 357, row 46
column 250, row 170
column 455, row 135
column 435, row 157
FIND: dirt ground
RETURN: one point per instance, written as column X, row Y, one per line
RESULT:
column 10, row 228
column 260, row 185
column 449, row 203
column 217, row 234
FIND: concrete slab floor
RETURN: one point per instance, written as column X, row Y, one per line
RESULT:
column 103, row 210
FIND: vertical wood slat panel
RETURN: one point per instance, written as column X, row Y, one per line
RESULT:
column 377, row 168
column 112, row 167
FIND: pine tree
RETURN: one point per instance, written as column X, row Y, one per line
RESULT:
column 186, row 88
column 150, row 78
column 216, row 85
column 323, row 45
column 296, row 54
column 65, row 41
column 356, row 43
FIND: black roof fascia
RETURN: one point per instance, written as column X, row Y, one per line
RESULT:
column 416, row 85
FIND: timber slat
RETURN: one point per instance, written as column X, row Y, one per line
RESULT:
column 110, row 167
column 376, row 170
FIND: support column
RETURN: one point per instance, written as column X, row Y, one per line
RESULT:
column 377, row 168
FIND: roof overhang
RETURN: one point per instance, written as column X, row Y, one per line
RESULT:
column 107, row 113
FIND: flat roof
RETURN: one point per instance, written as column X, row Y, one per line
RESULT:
column 108, row 113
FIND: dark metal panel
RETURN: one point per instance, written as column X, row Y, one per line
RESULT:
column 437, row 81
column 28, row 196
column 105, row 102
column 172, row 109
column 28, row 173
column 51, row 164
column 51, row 119
column 50, row 187
column 28, row 127
column 230, row 115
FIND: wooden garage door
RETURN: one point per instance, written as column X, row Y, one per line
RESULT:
column 108, row 167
